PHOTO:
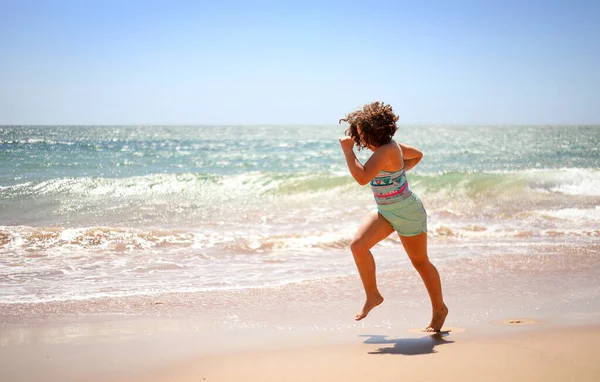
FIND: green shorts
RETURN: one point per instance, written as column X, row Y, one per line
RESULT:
column 408, row 216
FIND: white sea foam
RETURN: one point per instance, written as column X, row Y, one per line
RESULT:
column 569, row 181
column 574, row 214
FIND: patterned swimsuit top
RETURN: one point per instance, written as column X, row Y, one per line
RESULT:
column 391, row 187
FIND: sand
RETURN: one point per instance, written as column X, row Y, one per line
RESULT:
column 156, row 350
column 568, row 354
column 305, row 331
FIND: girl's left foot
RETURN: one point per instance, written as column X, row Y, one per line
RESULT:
column 369, row 304
column 437, row 320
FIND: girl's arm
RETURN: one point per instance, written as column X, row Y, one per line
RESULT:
column 412, row 156
column 364, row 174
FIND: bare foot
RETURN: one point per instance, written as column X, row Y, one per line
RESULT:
column 437, row 320
column 369, row 304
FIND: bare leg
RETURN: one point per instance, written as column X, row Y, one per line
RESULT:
column 416, row 248
column 372, row 230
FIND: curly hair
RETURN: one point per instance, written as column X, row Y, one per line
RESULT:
column 377, row 123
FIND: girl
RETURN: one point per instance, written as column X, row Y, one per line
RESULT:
column 398, row 208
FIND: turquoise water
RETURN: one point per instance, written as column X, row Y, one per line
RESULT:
column 35, row 153
column 146, row 209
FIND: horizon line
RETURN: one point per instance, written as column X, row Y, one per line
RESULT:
column 421, row 124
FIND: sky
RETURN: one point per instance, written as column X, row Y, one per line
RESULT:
column 298, row 62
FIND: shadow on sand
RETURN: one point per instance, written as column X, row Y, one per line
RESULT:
column 408, row 346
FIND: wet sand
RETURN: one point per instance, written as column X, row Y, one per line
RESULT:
column 143, row 350
column 547, row 355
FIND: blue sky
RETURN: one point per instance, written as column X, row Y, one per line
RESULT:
column 304, row 62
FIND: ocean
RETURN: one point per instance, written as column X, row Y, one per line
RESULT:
column 94, row 213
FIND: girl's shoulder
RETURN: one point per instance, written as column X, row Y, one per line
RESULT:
column 393, row 156
column 391, row 147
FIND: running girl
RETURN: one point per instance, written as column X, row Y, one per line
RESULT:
column 398, row 208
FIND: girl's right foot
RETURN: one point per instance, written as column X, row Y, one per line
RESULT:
column 369, row 304
column 437, row 320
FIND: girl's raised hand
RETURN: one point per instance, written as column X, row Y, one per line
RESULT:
column 347, row 143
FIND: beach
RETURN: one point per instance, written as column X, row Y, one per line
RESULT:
column 176, row 253
column 528, row 325
column 287, row 335
column 187, row 188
